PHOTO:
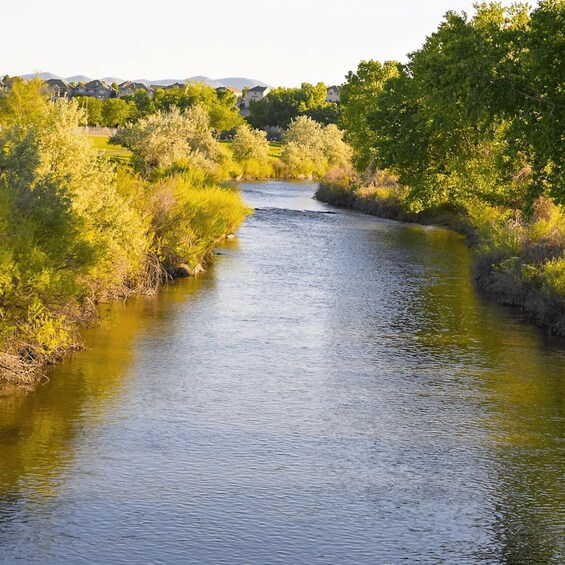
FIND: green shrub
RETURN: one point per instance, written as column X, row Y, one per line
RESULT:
column 76, row 231
column 188, row 220
column 553, row 276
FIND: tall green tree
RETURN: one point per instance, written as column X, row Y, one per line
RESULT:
column 441, row 124
column 359, row 97
column 116, row 112
column 220, row 105
column 537, row 104
column 282, row 105
column 23, row 103
column 93, row 107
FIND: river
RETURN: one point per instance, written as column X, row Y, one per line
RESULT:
column 331, row 390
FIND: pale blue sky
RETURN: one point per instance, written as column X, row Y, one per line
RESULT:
column 281, row 42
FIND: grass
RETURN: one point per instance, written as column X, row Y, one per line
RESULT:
column 275, row 149
column 115, row 152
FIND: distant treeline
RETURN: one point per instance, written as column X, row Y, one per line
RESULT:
column 116, row 112
column 273, row 114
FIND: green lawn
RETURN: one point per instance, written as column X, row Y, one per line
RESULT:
column 275, row 149
column 115, row 152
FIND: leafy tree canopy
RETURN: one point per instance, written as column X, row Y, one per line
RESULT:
column 282, row 105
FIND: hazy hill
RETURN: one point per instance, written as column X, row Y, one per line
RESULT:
column 76, row 78
column 206, row 80
column 110, row 80
column 231, row 82
column 42, row 76
column 240, row 82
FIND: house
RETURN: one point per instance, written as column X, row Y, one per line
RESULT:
column 7, row 82
column 333, row 94
column 155, row 87
column 180, row 85
column 255, row 94
column 129, row 88
column 59, row 88
column 96, row 89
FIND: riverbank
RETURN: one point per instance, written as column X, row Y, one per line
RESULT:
column 127, row 237
column 178, row 233
column 518, row 262
column 79, row 229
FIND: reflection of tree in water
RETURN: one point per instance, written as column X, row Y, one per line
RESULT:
column 528, row 455
column 519, row 376
column 38, row 430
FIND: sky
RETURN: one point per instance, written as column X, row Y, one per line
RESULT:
column 280, row 42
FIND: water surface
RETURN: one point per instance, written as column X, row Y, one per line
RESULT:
column 332, row 390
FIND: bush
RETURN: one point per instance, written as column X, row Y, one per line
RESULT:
column 77, row 232
column 310, row 149
column 165, row 138
column 73, row 238
column 188, row 220
column 250, row 144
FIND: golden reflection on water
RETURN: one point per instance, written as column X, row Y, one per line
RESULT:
column 511, row 363
column 38, row 430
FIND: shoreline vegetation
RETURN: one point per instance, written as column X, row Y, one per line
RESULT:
column 87, row 218
column 517, row 259
column 79, row 229
column 469, row 134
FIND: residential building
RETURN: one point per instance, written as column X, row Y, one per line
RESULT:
column 59, row 88
column 96, row 89
column 333, row 94
column 129, row 88
column 255, row 94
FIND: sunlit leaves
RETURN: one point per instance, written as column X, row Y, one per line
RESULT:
column 358, row 99
column 164, row 138
column 477, row 112
column 283, row 105
column 311, row 149
column 250, row 144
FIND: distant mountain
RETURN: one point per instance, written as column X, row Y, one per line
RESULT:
column 231, row 82
column 206, row 80
column 240, row 82
column 168, row 81
column 42, row 76
column 78, row 78
column 110, row 80
column 162, row 82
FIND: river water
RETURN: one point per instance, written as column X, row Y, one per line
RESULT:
column 332, row 390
